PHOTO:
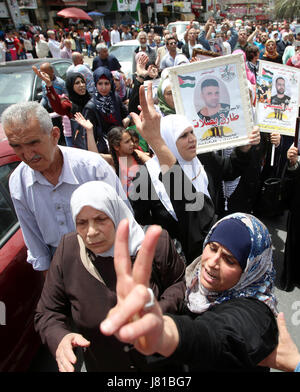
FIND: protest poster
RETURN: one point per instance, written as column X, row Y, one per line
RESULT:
column 277, row 97
column 216, row 45
column 213, row 94
column 155, row 84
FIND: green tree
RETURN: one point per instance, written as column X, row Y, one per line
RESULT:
column 287, row 9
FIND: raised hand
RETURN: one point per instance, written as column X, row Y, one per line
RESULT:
column 141, row 65
column 148, row 122
column 83, row 122
column 42, row 75
column 275, row 139
column 129, row 321
column 292, row 155
column 254, row 139
column 286, row 356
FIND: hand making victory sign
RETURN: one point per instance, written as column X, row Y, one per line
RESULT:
column 148, row 125
column 147, row 331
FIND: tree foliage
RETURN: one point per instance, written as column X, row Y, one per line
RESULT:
column 287, row 9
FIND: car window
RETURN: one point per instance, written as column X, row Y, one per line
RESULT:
column 123, row 53
column 61, row 69
column 38, row 89
column 5, row 172
column 14, row 87
column 9, row 221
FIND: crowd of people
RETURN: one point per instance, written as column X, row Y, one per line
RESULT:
column 90, row 206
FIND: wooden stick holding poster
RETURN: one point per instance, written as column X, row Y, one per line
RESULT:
column 277, row 98
column 213, row 94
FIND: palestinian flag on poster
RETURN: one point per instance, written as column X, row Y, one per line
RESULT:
column 267, row 74
column 186, row 81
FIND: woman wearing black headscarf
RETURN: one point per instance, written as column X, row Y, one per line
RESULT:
column 78, row 97
column 77, row 92
column 105, row 109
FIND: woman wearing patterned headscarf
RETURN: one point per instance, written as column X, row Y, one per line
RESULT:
column 229, row 323
column 123, row 91
column 105, row 109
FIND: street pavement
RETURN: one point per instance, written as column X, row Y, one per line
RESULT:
column 288, row 302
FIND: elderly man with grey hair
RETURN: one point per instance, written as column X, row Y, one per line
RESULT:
column 104, row 59
column 143, row 47
column 54, row 46
column 42, row 185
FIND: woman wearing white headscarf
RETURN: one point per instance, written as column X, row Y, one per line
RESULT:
column 81, row 283
column 184, row 203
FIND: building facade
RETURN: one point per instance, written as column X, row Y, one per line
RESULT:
column 44, row 12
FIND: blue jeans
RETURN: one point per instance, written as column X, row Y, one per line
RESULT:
column 89, row 49
column 22, row 56
column 68, row 140
column 78, row 47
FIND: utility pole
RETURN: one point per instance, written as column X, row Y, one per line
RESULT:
column 155, row 12
column 14, row 12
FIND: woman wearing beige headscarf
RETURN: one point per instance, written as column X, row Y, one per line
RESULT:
column 81, row 283
column 271, row 53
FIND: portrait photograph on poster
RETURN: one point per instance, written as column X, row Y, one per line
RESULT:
column 213, row 94
column 217, row 46
column 277, row 97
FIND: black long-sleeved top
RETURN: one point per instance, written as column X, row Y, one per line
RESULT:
column 233, row 336
column 192, row 225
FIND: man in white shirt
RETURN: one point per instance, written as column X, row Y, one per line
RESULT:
column 187, row 49
column 161, row 51
column 42, row 185
column 143, row 47
column 115, row 35
column 54, row 46
column 126, row 35
column 41, row 47
column 169, row 59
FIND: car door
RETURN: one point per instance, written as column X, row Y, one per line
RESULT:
column 20, row 285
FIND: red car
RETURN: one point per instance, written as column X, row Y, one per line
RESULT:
column 20, row 285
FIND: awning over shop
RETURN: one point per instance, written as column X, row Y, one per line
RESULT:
column 74, row 13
